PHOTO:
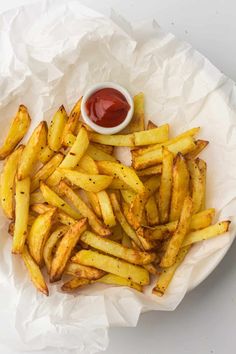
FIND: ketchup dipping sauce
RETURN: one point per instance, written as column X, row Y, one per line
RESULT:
column 107, row 108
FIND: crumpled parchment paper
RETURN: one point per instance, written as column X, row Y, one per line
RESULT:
column 50, row 53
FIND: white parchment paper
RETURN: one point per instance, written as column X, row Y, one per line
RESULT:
column 50, row 53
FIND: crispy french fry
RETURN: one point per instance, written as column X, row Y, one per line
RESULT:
column 180, row 187
column 72, row 121
column 65, row 248
column 113, row 279
column 88, row 182
column 82, row 271
column 200, row 145
column 106, row 209
column 151, row 185
column 36, row 142
column 94, row 202
column 112, row 265
column 165, row 185
column 45, row 154
column 74, row 284
column 128, row 195
column 152, row 211
column 147, row 244
column 39, row 234
column 207, row 233
column 88, row 165
column 36, row 197
column 52, row 198
column 51, row 243
column 117, row 250
column 126, row 174
column 152, row 136
column 114, row 140
column 21, row 215
column 98, row 154
column 153, row 170
column 168, row 273
column 137, row 121
column 203, row 170
column 151, row 125
column 197, row 185
column 8, row 182
column 65, row 219
column 44, row 172
column 177, row 239
column 17, row 130
column 56, row 128
column 61, row 217
column 122, row 220
column 86, row 212
column 34, row 272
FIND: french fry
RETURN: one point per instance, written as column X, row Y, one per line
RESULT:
column 106, row 209
column 94, row 202
column 44, row 172
column 88, row 165
column 34, row 272
column 165, row 186
column 108, row 149
column 122, row 220
column 126, row 174
column 51, row 243
column 36, row 142
column 65, row 219
column 152, row 211
column 45, row 154
column 77, row 150
column 72, row 121
column 56, row 128
column 207, row 233
column 117, row 183
column 41, row 208
column 128, row 195
column 151, row 125
column 74, row 284
column 55, row 178
column 113, row 279
column 36, row 197
column 112, row 265
column 52, row 198
column 203, row 170
column 98, row 154
column 137, row 121
column 114, row 140
column 199, row 146
column 8, row 182
column 85, row 211
column 197, row 185
column 168, row 273
column 180, row 187
column 65, row 249
column 147, row 244
column 115, row 249
column 39, row 234
column 88, row 182
column 154, row 157
column 153, row 170
column 17, row 131
column 82, row 271
column 177, row 239
column 69, row 140
column 61, row 217
column 21, row 215
column 151, row 185
column 152, row 136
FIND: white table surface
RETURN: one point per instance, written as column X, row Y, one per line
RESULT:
column 205, row 322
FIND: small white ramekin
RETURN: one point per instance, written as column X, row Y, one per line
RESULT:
column 98, row 128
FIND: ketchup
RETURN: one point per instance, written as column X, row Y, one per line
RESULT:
column 107, row 107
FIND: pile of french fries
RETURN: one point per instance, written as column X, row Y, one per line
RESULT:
column 78, row 212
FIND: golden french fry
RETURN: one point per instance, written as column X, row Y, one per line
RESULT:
column 168, row 273
column 51, row 243
column 52, row 198
column 207, row 233
column 36, row 197
column 153, row 170
column 56, row 128
column 65, row 249
column 128, row 195
column 8, row 182
column 154, row 157
column 29, row 156
column 88, row 182
column 82, row 271
column 17, row 131
column 34, row 272
column 74, row 284
column 152, row 211
column 151, row 125
column 113, row 279
column 180, row 188
column 21, row 215
column 117, row 250
column 39, row 234
column 41, row 208
column 94, row 202
column 203, row 170
column 85, row 211
column 45, row 154
column 137, row 121
column 72, row 122
column 151, row 185
column 122, row 220
column 177, row 239
column 152, row 136
column 88, row 165
column 117, row 183
column 200, row 145
column 114, row 140
column 106, row 209
column 165, row 185
column 44, row 172
column 126, row 174
column 98, row 154
column 108, row 149
column 112, row 265
column 197, row 185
